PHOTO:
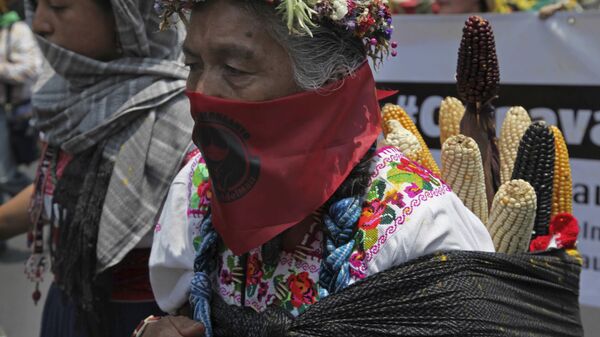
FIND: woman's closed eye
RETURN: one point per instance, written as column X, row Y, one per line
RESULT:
column 233, row 71
column 237, row 77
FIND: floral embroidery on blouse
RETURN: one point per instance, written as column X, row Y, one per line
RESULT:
column 292, row 283
column 398, row 186
column 200, row 193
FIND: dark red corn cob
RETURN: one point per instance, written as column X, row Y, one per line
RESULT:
column 535, row 164
column 477, row 72
column 478, row 77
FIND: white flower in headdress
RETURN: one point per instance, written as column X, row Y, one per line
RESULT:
column 340, row 9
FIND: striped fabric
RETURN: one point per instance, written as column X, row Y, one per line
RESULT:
column 135, row 105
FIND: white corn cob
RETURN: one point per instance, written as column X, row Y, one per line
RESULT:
column 451, row 113
column 403, row 139
column 514, row 126
column 462, row 169
column 512, row 217
column 425, row 158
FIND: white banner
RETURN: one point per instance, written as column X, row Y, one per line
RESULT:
column 551, row 67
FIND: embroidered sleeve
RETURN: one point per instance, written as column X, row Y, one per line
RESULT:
column 409, row 212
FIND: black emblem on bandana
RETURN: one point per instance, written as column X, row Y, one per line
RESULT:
column 233, row 170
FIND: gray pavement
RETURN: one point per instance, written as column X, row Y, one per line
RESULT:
column 19, row 317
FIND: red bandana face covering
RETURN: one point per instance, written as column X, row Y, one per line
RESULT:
column 273, row 163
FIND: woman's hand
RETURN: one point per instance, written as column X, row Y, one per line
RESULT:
column 14, row 214
column 174, row 326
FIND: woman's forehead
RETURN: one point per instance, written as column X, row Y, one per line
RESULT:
column 227, row 29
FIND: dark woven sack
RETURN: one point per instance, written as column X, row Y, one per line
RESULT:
column 447, row 294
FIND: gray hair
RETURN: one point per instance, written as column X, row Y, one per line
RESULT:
column 328, row 56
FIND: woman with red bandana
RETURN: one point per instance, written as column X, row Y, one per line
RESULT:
column 290, row 201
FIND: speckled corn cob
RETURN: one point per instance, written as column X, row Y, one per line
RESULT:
column 535, row 164
column 462, row 169
column 391, row 111
column 403, row 139
column 477, row 72
column 562, row 187
column 512, row 217
column 514, row 126
column 451, row 113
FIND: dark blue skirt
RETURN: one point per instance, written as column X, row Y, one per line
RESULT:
column 58, row 319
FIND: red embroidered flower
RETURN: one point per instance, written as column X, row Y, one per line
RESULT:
column 263, row 289
column 396, row 199
column 356, row 261
column 226, row 277
column 410, row 166
column 254, row 271
column 301, row 289
column 204, row 192
column 371, row 215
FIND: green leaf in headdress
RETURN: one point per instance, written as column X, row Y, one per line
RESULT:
column 298, row 15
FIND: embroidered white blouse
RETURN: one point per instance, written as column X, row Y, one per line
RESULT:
column 408, row 212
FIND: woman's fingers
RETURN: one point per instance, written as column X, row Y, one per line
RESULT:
column 161, row 328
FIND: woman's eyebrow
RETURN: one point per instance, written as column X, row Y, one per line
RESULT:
column 225, row 51
column 235, row 51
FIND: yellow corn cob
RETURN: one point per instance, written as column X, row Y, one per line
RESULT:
column 402, row 139
column 462, row 169
column 512, row 217
column 391, row 111
column 514, row 126
column 451, row 113
column 389, row 114
column 562, row 191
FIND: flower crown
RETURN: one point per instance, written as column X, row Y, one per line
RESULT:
column 369, row 20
